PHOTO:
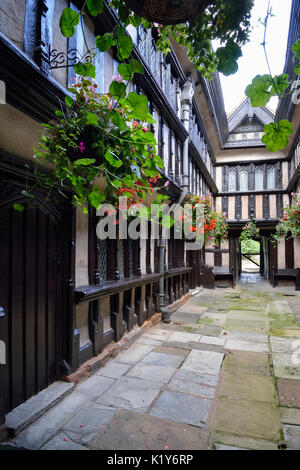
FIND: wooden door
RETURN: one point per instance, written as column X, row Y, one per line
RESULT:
column 29, row 295
column 31, row 299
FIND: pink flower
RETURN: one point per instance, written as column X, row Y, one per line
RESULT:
column 135, row 124
column 81, row 147
column 167, row 183
column 118, row 78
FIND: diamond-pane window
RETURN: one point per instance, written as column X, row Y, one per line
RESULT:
column 121, row 258
column 102, row 259
column 243, row 180
column 130, row 255
column 231, row 179
column 259, row 179
column 271, row 178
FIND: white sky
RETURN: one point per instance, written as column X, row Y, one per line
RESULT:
column 253, row 61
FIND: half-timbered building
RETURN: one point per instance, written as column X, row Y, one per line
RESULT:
column 65, row 295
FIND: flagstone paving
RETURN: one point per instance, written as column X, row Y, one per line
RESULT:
column 223, row 375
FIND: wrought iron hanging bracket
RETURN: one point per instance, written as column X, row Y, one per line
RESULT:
column 58, row 60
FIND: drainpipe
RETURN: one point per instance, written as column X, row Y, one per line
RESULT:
column 187, row 94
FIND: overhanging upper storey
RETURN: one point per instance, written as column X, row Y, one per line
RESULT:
column 246, row 126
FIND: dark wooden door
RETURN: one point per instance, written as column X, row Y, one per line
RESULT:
column 30, row 295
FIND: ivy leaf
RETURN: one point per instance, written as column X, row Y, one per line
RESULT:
column 117, row 89
column 84, row 161
column 296, row 48
column 281, row 82
column 136, row 66
column 297, row 70
column 68, row 20
column 125, row 70
column 135, row 20
column 85, row 69
column 277, row 135
column 95, row 7
column 105, row 42
column 96, row 197
column 69, row 102
column 228, row 56
column 139, row 105
column 18, row 207
column 115, row 162
column 92, row 119
column 125, row 44
column 259, row 90
column 158, row 161
column 118, row 120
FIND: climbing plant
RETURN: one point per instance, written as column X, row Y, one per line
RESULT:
column 250, row 231
column 264, row 87
column 289, row 225
column 101, row 145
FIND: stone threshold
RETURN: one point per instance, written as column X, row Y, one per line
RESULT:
column 31, row 410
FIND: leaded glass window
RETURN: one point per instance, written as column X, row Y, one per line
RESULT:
column 243, row 174
column 121, row 258
column 271, row 178
column 102, row 259
column 130, row 256
column 259, row 179
column 231, row 179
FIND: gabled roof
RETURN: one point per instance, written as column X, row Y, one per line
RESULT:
column 246, row 124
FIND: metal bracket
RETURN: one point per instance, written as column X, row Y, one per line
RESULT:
column 58, row 60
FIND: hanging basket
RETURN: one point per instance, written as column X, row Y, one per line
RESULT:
column 167, row 12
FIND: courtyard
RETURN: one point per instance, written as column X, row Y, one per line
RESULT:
column 224, row 374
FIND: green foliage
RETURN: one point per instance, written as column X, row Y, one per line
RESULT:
column 18, row 207
column 95, row 7
column 289, row 225
column 105, row 42
column 68, row 20
column 228, row 57
column 101, row 136
column 224, row 20
column 250, row 246
column 296, row 49
column 259, row 90
column 276, row 135
column 250, row 231
column 125, row 44
column 85, row 69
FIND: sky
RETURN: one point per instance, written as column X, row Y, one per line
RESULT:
column 253, row 61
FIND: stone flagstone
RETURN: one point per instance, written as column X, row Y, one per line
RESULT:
column 114, row 370
column 131, row 393
column 292, row 436
column 247, row 346
column 154, row 372
column 191, row 388
column 162, row 359
column 133, row 431
column 259, row 420
column 95, row 386
column 134, row 354
column 204, row 362
column 50, row 423
column 181, row 408
column 85, row 424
